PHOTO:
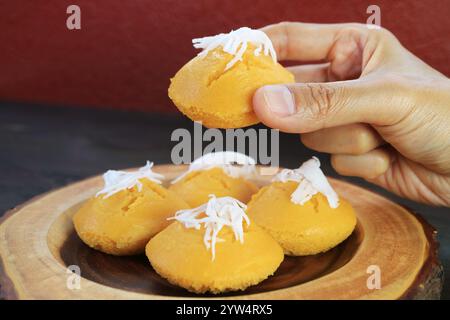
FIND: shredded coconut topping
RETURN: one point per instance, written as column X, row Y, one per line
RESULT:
column 225, row 160
column 311, row 181
column 235, row 43
column 116, row 181
column 214, row 215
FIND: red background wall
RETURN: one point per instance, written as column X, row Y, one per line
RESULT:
column 126, row 51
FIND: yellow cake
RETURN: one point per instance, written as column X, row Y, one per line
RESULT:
column 301, row 229
column 217, row 88
column 215, row 173
column 124, row 222
column 196, row 186
column 179, row 254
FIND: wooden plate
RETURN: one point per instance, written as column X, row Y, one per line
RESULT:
column 38, row 243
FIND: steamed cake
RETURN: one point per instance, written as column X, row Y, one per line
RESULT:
column 206, row 90
column 123, row 223
column 306, row 229
column 196, row 186
column 179, row 255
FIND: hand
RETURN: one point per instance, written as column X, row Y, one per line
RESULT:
column 382, row 113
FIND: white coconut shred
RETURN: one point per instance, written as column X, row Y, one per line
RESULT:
column 236, row 43
column 115, row 181
column 311, row 181
column 214, row 215
column 234, row 164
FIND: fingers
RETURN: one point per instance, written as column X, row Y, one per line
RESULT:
column 309, row 41
column 302, row 108
column 353, row 139
column 368, row 165
column 412, row 180
column 311, row 72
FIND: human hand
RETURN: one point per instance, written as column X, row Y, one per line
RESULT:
column 382, row 113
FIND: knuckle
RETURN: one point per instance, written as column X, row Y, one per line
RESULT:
column 379, row 168
column 354, row 31
column 383, row 34
column 386, row 33
column 362, row 142
column 320, row 102
column 283, row 47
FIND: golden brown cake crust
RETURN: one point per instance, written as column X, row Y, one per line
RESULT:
column 204, row 91
column 196, row 187
column 301, row 229
column 179, row 255
column 123, row 223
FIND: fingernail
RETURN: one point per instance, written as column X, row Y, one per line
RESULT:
column 279, row 100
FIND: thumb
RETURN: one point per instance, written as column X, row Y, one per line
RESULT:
column 307, row 107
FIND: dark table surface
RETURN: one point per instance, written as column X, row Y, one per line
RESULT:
column 43, row 148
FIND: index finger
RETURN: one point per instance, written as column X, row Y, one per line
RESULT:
column 310, row 41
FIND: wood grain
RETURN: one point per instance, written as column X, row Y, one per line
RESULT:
column 38, row 242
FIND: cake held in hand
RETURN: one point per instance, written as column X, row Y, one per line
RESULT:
column 214, row 248
column 219, row 173
column 217, row 86
column 130, row 209
column 302, row 211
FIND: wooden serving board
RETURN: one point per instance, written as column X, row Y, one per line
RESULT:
column 38, row 243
